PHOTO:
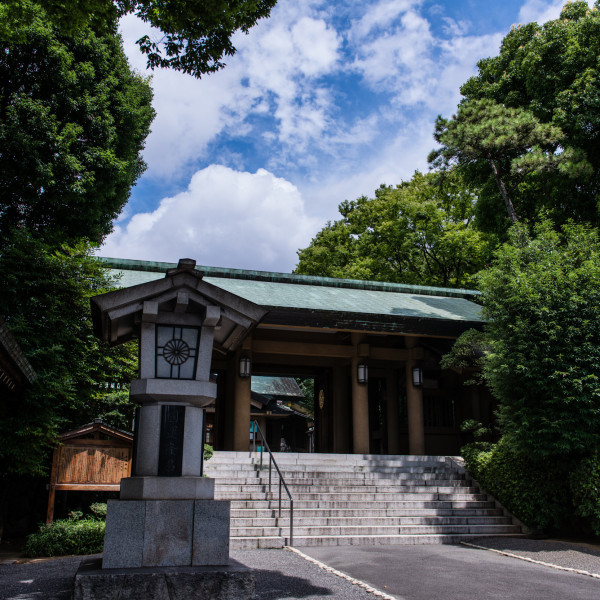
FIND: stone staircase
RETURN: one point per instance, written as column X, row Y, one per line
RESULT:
column 352, row 499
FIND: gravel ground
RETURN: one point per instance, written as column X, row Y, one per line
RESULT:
column 563, row 554
column 279, row 574
column 284, row 574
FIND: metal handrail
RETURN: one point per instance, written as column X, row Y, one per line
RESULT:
column 256, row 428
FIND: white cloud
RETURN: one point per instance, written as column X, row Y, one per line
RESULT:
column 398, row 58
column 273, row 71
column 225, row 218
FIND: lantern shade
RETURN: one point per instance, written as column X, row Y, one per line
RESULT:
column 176, row 352
column 362, row 373
column 245, row 365
column 417, row 376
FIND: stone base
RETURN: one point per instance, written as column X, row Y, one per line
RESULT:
column 167, row 488
column 231, row 582
column 166, row 533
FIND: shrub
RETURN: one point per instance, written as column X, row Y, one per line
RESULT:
column 585, row 489
column 67, row 536
column 208, row 451
column 535, row 491
column 99, row 510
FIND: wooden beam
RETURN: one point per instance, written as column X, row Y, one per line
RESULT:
column 89, row 487
column 302, row 349
column 335, row 350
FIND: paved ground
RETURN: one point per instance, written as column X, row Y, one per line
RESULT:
column 460, row 572
column 402, row 572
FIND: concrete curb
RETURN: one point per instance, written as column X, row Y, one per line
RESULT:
column 531, row 560
column 362, row 584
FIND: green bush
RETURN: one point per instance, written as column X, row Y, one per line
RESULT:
column 68, row 536
column 585, row 489
column 208, row 451
column 536, row 492
column 99, row 510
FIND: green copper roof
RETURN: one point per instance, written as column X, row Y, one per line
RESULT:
column 276, row 386
column 281, row 290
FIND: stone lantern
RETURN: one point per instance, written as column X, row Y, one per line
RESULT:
column 166, row 515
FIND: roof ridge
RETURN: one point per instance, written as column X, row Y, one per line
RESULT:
column 293, row 278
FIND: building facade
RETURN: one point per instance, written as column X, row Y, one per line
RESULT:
column 373, row 349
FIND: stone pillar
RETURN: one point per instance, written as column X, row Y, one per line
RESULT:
column 393, row 411
column 241, row 409
column 414, row 398
column 360, row 403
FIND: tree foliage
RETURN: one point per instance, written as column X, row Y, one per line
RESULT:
column 512, row 141
column 73, row 120
column 192, row 36
column 44, row 294
column 541, row 98
column 419, row 232
column 540, row 300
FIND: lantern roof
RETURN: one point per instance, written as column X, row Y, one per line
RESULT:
column 117, row 315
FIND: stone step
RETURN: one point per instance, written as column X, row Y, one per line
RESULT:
column 378, row 505
column 386, row 467
column 354, row 499
column 353, row 496
column 338, row 479
column 248, row 543
column 300, row 513
column 302, row 490
column 303, row 457
column 383, row 521
column 396, row 474
column 363, row 530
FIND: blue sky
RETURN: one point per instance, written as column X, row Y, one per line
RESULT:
column 323, row 102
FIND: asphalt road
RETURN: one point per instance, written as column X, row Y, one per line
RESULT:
column 454, row 573
column 404, row 572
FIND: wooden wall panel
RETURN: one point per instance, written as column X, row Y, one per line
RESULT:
column 89, row 464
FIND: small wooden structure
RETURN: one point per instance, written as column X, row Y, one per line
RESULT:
column 91, row 458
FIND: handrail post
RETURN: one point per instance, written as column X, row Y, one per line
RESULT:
column 280, row 497
column 291, row 522
column 256, row 428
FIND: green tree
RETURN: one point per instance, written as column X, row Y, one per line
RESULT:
column 45, row 294
column 512, row 141
column 540, row 299
column 419, row 232
column 73, row 120
column 546, row 75
column 193, row 35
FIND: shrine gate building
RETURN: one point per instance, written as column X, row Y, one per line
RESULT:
column 373, row 349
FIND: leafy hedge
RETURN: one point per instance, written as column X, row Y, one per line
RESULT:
column 67, row 536
column 549, row 495
column 585, row 488
column 75, row 535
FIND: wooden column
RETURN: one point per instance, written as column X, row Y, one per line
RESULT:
column 241, row 404
column 229, row 403
column 52, row 486
column 341, row 426
column 414, row 397
column 393, row 411
column 360, row 402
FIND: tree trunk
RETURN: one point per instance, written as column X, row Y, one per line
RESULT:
column 507, row 201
